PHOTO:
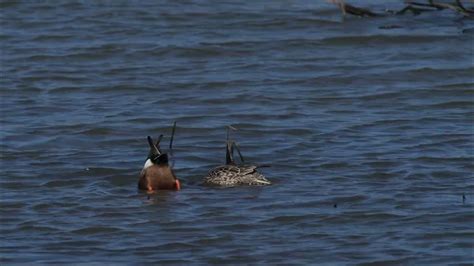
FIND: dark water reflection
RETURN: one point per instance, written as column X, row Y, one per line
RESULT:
column 368, row 129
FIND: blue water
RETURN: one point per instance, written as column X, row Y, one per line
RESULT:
column 367, row 124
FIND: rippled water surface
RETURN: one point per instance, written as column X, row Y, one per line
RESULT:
column 367, row 124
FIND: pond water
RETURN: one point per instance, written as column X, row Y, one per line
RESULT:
column 367, row 124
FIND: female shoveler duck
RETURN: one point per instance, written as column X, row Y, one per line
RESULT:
column 232, row 174
column 157, row 174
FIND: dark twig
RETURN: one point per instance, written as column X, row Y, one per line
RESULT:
column 414, row 10
column 157, row 143
column 429, row 4
column 172, row 135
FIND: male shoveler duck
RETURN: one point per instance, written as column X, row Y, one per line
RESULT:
column 232, row 174
column 157, row 174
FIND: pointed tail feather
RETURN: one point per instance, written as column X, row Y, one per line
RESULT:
column 153, row 149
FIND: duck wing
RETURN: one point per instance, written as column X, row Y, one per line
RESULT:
column 225, row 175
column 250, row 176
column 232, row 175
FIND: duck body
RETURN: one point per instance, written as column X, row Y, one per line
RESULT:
column 157, row 177
column 230, row 175
column 157, row 174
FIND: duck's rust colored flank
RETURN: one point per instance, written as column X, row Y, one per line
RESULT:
column 157, row 174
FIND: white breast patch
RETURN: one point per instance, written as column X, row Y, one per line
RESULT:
column 148, row 163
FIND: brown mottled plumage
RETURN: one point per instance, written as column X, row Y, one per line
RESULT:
column 232, row 174
column 235, row 175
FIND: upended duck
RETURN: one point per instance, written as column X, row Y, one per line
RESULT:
column 157, row 174
column 232, row 174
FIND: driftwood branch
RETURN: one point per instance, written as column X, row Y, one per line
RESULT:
column 460, row 5
column 415, row 7
column 353, row 10
column 412, row 9
column 456, row 6
column 361, row 12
